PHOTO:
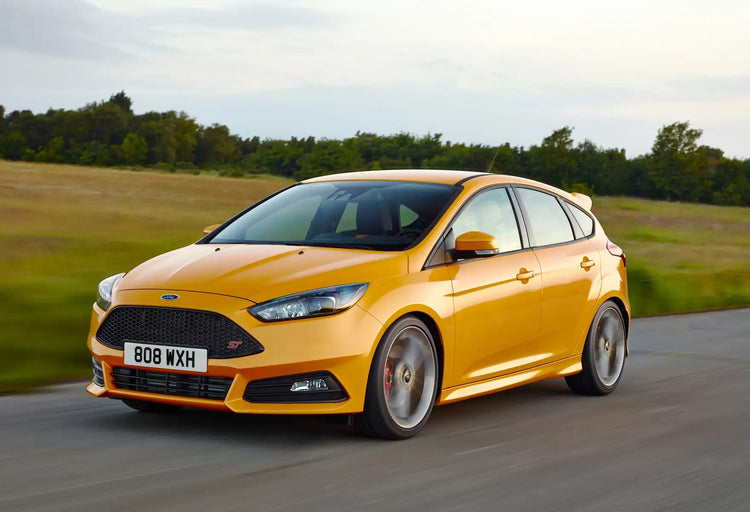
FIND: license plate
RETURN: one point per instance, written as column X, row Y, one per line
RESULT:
column 166, row 358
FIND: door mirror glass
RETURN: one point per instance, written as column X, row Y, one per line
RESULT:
column 476, row 242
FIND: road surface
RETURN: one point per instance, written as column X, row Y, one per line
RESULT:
column 674, row 436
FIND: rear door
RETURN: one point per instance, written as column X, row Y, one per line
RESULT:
column 570, row 270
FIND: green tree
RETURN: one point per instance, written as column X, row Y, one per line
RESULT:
column 475, row 157
column 123, row 101
column 677, row 163
column 134, row 149
column 279, row 157
column 14, row 146
column 108, row 123
column 554, row 161
column 185, row 132
column 216, row 146
column 730, row 184
column 329, row 156
column 56, row 149
column 54, row 152
column 35, row 129
column 507, row 160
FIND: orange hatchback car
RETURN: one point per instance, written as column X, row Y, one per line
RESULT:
column 373, row 294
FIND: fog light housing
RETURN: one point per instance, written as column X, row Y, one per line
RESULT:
column 320, row 387
column 309, row 385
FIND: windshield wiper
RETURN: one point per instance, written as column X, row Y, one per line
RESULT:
column 338, row 245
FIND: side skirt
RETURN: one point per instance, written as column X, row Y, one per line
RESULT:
column 567, row 366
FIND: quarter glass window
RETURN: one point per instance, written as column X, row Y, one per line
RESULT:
column 586, row 222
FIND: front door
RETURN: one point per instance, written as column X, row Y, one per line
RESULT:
column 497, row 299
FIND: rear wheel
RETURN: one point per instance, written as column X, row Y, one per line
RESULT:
column 403, row 382
column 603, row 356
column 153, row 407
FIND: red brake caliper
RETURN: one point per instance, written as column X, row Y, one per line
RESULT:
column 388, row 377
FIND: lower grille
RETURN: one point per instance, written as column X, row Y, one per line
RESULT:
column 165, row 383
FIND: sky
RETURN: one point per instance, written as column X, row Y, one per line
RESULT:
column 484, row 72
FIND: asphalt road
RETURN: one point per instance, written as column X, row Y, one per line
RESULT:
column 674, row 436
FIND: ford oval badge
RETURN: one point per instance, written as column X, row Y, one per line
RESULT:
column 170, row 296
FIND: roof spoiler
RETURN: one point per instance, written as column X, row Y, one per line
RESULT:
column 583, row 200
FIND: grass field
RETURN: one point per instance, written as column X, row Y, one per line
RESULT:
column 681, row 257
column 63, row 228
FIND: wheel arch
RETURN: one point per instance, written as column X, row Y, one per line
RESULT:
column 626, row 318
column 425, row 316
column 623, row 311
column 435, row 331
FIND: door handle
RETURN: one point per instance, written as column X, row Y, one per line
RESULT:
column 587, row 263
column 525, row 275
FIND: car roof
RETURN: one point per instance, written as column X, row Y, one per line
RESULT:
column 419, row 175
column 471, row 179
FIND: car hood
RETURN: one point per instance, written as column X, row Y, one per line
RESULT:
column 261, row 272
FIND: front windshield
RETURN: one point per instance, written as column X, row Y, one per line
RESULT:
column 382, row 215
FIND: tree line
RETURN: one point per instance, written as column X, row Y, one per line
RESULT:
column 109, row 133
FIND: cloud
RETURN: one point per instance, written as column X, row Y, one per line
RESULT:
column 265, row 16
column 77, row 29
column 711, row 87
column 614, row 71
column 70, row 29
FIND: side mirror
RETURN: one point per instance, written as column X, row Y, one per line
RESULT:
column 477, row 242
column 210, row 228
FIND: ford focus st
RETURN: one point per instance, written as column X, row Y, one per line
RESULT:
column 373, row 294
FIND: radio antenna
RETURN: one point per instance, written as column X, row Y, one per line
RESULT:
column 489, row 168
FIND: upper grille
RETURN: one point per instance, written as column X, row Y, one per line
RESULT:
column 165, row 383
column 177, row 327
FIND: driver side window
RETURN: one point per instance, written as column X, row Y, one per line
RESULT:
column 491, row 212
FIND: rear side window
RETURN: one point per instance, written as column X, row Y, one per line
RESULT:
column 348, row 220
column 545, row 219
column 584, row 221
column 407, row 216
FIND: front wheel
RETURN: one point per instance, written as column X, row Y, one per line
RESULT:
column 603, row 354
column 403, row 382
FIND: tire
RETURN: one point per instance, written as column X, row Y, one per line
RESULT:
column 403, row 383
column 603, row 355
column 150, row 407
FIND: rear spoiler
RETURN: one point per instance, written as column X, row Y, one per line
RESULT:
column 583, row 200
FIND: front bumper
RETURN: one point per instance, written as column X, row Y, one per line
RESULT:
column 342, row 345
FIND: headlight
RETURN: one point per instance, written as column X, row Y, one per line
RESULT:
column 104, row 299
column 320, row 302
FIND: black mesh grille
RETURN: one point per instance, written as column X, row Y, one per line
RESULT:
column 177, row 327
column 165, row 383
